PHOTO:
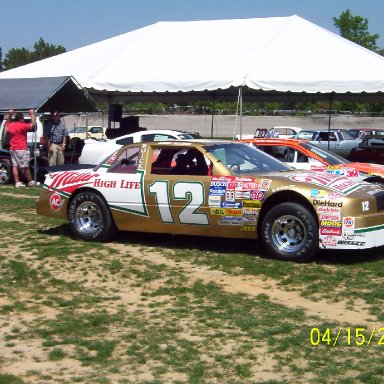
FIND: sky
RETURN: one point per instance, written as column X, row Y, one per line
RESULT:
column 76, row 23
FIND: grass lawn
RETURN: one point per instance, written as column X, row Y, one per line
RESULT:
column 177, row 309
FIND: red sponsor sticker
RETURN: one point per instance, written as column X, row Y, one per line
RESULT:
column 348, row 222
column 257, row 195
column 56, row 202
column 330, row 231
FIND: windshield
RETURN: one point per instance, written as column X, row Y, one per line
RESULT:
column 330, row 157
column 189, row 136
column 244, row 159
column 78, row 130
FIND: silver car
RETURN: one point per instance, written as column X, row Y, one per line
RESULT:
column 335, row 140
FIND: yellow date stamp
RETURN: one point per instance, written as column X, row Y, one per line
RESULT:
column 358, row 336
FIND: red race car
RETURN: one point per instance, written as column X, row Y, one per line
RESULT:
column 301, row 154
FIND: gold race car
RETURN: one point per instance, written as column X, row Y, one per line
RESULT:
column 216, row 188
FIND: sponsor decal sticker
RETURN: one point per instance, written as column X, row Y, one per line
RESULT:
column 330, row 216
column 257, row 195
column 242, row 195
column 333, row 210
column 317, row 194
column 328, row 241
column 218, row 211
column 251, row 204
column 330, row 223
column 326, row 203
column 226, row 220
column 348, row 225
column 69, row 181
column 233, row 212
column 264, row 184
column 248, row 228
column 350, row 242
column 56, row 202
column 229, row 204
column 230, row 196
column 340, row 184
column 214, row 201
column 330, row 231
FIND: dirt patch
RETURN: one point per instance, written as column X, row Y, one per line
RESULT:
column 254, row 286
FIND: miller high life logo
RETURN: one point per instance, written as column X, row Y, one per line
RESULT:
column 69, row 181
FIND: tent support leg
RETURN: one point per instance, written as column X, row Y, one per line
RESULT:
column 212, row 116
column 329, row 116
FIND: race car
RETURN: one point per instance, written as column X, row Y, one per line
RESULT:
column 216, row 188
column 301, row 154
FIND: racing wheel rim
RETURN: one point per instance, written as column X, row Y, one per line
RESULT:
column 288, row 233
column 88, row 217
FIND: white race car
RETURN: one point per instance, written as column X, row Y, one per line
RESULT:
column 95, row 151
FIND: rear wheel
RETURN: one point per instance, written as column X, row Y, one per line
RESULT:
column 5, row 172
column 290, row 232
column 90, row 218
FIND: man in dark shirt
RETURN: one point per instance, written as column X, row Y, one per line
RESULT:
column 57, row 133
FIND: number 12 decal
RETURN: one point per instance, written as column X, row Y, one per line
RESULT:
column 193, row 192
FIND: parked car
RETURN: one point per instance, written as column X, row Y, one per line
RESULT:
column 359, row 133
column 220, row 189
column 91, row 132
column 371, row 149
column 94, row 151
column 335, row 140
column 5, row 166
column 301, row 154
column 281, row 131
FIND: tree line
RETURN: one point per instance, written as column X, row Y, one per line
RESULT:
column 353, row 28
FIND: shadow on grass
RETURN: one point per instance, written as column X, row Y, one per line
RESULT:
column 225, row 245
column 165, row 240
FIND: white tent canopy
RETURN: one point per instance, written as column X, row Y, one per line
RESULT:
column 267, row 56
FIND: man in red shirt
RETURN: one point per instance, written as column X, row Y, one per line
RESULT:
column 19, row 147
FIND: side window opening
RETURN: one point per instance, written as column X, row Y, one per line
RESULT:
column 126, row 162
column 180, row 162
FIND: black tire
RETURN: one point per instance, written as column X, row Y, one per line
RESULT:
column 290, row 232
column 41, row 170
column 5, row 172
column 90, row 218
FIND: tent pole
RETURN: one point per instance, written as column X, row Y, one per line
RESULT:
column 329, row 116
column 212, row 116
column 241, row 111
column 35, row 151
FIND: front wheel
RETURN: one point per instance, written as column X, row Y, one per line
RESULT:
column 290, row 232
column 5, row 172
column 90, row 218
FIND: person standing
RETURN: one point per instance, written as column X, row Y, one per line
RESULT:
column 57, row 133
column 19, row 146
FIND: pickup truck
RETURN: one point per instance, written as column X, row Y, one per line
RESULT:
column 334, row 140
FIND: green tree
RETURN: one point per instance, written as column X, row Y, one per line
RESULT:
column 16, row 57
column 355, row 28
column 44, row 50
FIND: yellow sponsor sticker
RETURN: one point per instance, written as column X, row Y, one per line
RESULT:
column 218, row 211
